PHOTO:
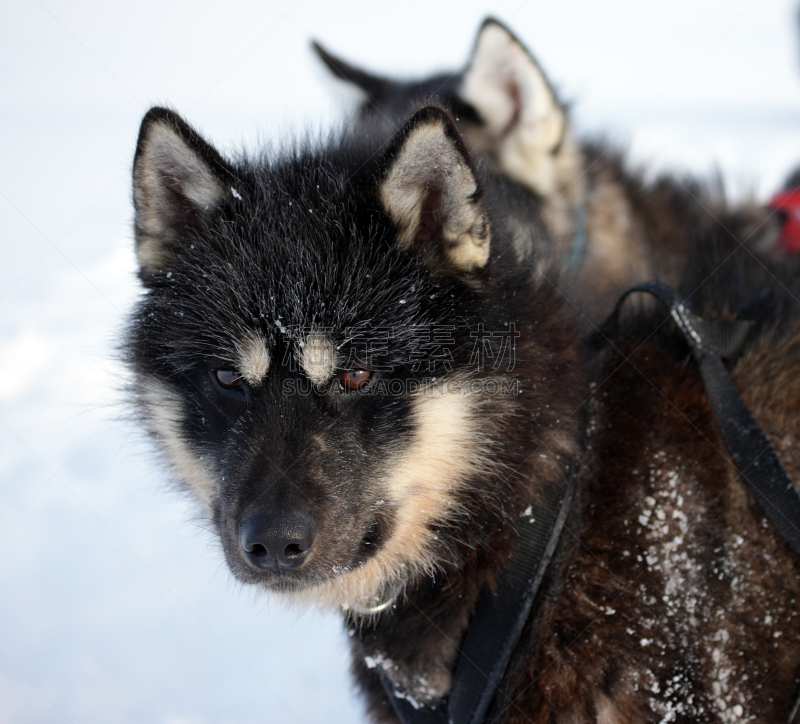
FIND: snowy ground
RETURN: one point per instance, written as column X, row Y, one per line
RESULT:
column 115, row 605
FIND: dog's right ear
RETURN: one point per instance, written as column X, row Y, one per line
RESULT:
column 431, row 192
column 177, row 179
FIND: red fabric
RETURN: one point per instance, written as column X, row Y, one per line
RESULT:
column 789, row 203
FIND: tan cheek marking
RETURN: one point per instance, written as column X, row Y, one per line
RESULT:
column 422, row 485
column 254, row 359
column 164, row 418
column 441, row 456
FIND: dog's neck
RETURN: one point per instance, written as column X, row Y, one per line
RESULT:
column 415, row 641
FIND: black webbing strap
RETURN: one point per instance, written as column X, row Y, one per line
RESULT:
column 498, row 620
column 754, row 457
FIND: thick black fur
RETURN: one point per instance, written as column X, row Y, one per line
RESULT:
column 307, row 245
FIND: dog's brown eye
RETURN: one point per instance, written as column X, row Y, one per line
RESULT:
column 229, row 379
column 355, row 379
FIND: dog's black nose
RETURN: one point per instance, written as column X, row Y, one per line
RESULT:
column 278, row 539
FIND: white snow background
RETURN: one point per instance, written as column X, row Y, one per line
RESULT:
column 115, row 603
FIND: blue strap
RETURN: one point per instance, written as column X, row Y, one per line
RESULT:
column 579, row 240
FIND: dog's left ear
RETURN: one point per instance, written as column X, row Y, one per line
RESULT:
column 430, row 190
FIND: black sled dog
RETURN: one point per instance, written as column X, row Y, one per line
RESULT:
column 352, row 355
column 609, row 227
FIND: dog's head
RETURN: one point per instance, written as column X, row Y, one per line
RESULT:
column 304, row 352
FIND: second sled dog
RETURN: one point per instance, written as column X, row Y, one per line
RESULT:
column 608, row 226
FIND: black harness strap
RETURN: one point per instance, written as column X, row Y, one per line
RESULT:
column 754, row 457
column 497, row 622
column 499, row 619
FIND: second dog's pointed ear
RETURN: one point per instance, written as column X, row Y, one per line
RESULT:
column 374, row 87
column 431, row 192
column 177, row 179
column 511, row 93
